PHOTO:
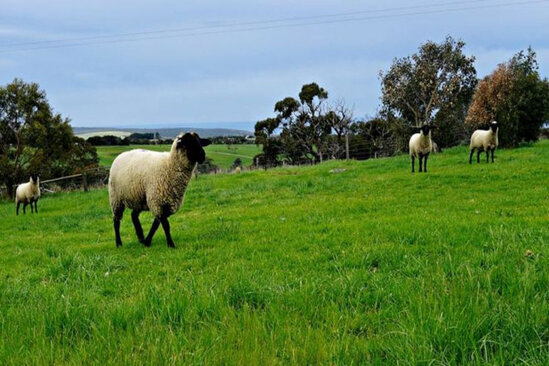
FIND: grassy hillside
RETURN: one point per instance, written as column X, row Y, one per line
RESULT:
column 296, row 265
column 222, row 155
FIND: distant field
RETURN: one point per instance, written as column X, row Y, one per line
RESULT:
column 87, row 135
column 300, row 266
column 222, row 155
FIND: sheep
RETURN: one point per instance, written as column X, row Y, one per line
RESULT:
column 28, row 193
column 420, row 146
column 483, row 140
column 435, row 149
column 144, row 180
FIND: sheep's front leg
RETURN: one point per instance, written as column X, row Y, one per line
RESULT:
column 493, row 154
column 25, row 207
column 425, row 163
column 487, row 155
column 413, row 162
column 32, row 206
column 471, row 156
column 166, row 226
column 478, row 155
column 36, row 206
column 17, row 209
column 149, row 237
column 420, row 162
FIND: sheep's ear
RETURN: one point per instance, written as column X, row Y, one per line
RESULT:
column 204, row 142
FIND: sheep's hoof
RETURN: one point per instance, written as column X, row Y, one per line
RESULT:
column 171, row 245
column 118, row 244
column 146, row 243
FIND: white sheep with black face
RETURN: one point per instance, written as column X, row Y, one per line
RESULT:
column 420, row 146
column 28, row 193
column 144, row 180
column 483, row 140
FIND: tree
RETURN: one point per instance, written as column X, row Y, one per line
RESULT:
column 439, row 78
column 515, row 96
column 34, row 139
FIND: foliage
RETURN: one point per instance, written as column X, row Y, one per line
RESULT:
column 35, row 139
column 515, row 96
column 108, row 140
column 305, row 126
column 371, row 265
column 434, row 85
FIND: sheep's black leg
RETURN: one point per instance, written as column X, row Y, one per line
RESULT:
column 25, row 207
column 413, row 162
column 32, row 206
column 17, row 209
column 166, row 226
column 487, row 155
column 493, row 155
column 471, row 156
column 137, row 225
column 117, row 217
column 425, row 163
column 36, row 206
column 420, row 162
column 478, row 155
column 149, row 237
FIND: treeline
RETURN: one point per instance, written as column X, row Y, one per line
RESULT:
column 133, row 139
column 155, row 138
column 437, row 85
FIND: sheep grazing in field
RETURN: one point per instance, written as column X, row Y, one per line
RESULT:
column 420, row 146
column 143, row 180
column 28, row 193
column 483, row 140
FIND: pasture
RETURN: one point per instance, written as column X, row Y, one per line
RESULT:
column 222, row 155
column 372, row 264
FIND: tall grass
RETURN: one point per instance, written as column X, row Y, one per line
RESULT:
column 293, row 266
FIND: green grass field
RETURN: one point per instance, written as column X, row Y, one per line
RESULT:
column 293, row 266
column 222, row 155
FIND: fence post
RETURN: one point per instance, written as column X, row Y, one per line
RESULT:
column 347, row 146
column 85, row 181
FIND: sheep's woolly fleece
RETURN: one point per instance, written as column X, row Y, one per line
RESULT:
column 420, row 144
column 27, row 191
column 147, row 180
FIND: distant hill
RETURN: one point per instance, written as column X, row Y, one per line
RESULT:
column 86, row 132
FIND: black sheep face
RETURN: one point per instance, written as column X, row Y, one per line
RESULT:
column 494, row 126
column 34, row 178
column 193, row 145
column 425, row 129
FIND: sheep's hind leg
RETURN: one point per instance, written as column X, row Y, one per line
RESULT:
column 117, row 217
column 413, row 162
column 149, row 237
column 137, row 225
column 25, row 207
column 17, row 208
column 166, row 226
column 478, row 155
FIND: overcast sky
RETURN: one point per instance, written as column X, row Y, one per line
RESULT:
column 214, row 76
